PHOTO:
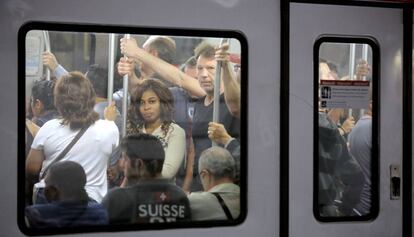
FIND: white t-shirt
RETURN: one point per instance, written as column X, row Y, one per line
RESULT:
column 92, row 151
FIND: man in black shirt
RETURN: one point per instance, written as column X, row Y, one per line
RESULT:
column 203, row 108
column 147, row 198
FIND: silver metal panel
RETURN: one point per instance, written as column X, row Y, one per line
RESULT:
column 307, row 22
column 258, row 20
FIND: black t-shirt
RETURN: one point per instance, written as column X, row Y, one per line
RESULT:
column 182, row 106
column 154, row 201
column 202, row 116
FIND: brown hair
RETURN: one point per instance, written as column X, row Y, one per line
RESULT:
column 166, row 104
column 165, row 47
column 204, row 49
column 75, row 99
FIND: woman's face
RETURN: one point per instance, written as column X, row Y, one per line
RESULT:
column 150, row 107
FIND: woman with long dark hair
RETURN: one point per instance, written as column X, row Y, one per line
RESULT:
column 151, row 112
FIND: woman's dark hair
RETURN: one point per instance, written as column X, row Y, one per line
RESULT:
column 43, row 91
column 74, row 100
column 166, row 104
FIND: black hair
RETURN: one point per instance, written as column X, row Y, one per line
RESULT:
column 43, row 91
column 69, row 179
column 98, row 76
column 166, row 104
column 146, row 147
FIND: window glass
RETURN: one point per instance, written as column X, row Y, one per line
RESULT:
column 346, row 117
column 126, row 131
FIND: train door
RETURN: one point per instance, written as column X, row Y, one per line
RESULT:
column 328, row 100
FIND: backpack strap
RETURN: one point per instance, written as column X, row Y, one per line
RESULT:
column 224, row 206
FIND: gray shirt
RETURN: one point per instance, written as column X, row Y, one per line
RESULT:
column 205, row 206
column 360, row 144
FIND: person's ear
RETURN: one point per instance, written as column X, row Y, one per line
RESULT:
column 38, row 105
column 51, row 193
column 140, row 163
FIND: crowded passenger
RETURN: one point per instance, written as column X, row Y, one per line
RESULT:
column 189, row 67
column 42, row 109
column 344, row 122
column 340, row 176
column 203, row 108
column 151, row 112
column 360, row 146
column 158, row 65
column 98, row 76
column 168, row 127
column 221, row 197
column 68, row 203
column 74, row 99
column 162, row 49
column 218, row 134
column 147, row 196
column 41, row 102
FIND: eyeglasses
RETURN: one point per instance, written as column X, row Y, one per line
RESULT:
column 236, row 67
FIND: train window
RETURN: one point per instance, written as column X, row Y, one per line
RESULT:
column 130, row 128
column 346, row 128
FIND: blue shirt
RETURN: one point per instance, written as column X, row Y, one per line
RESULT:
column 66, row 214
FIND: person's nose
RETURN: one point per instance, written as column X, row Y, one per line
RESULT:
column 146, row 106
column 204, row 73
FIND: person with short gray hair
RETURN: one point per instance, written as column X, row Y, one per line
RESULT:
column 221, row 197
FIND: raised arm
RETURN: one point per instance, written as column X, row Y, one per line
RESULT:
column 50, row 61
column 169, row 72
column 127, row 67
column 231, row 86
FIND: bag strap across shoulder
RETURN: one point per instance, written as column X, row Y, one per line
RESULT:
column 224, row 206
column 65, row 151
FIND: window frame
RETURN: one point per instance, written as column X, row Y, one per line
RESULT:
column 95, row 28
column 375, row 70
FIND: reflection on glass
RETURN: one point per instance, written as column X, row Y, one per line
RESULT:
column 345, row 130
column 144, row 177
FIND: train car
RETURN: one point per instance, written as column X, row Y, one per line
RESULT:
column 325, row 105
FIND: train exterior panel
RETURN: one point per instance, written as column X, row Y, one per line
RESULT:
column 288, row 83
column 263, row 44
